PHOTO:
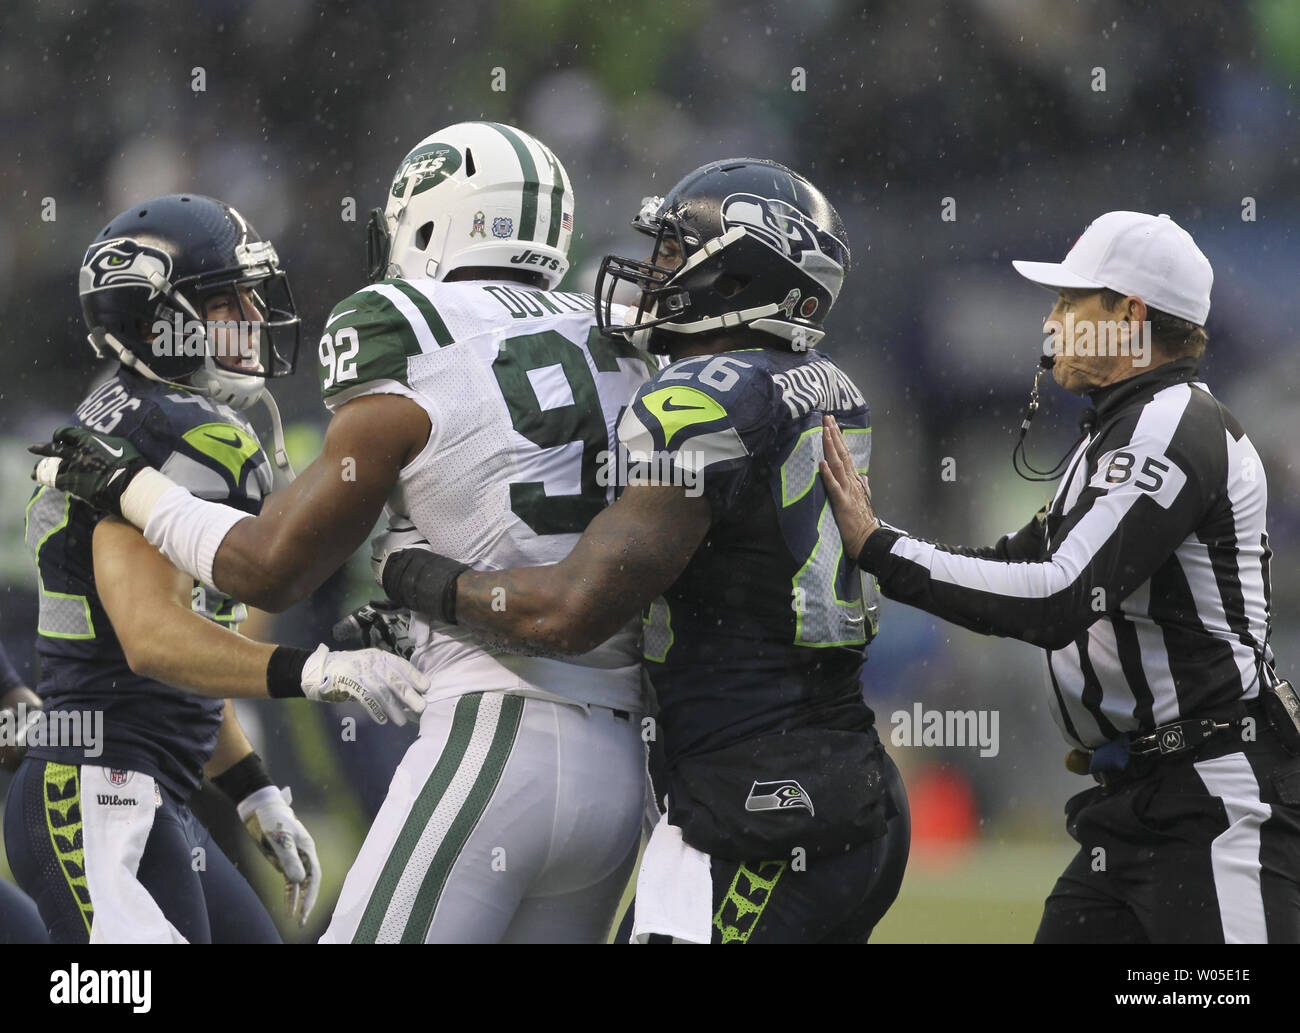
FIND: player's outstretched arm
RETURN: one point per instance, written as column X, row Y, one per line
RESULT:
column 1112, row 539
column 149, row 603
column 303, row 534
column 627, row 556
column 306, row 531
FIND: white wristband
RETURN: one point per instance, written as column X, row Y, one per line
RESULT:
column 142, row 494
column 188, row 531
column 259, row 798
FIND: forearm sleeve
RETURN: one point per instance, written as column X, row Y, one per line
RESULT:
column 188, row 531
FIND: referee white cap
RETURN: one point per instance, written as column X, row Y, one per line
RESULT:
column 1148, row 256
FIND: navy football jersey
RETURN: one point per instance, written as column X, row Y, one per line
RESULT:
column 147, row 726
column 766, row 628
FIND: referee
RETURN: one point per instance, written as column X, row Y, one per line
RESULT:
column 1146, row 583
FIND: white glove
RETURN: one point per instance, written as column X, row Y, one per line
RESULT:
column 270, row 820
column 400, row 534
column 387, row 685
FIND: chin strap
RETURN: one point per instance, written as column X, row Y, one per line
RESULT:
column 280, row 453
column 106, row 346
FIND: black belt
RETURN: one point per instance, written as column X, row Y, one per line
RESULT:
column 1174, row 740
column 1178, row 737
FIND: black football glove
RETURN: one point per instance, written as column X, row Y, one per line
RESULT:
column 380, row 624
column 95, row 468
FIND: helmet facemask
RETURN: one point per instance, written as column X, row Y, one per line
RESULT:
column 235, row 367
column 239, row 353
column 660, row 299
column 689, row 286
column 743, row 242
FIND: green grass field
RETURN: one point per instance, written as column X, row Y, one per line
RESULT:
column 993, row 894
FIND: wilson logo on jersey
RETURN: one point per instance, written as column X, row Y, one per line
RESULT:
column 123, row 262
column 778, row 796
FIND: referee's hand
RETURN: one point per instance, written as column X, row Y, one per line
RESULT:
column 849, row 493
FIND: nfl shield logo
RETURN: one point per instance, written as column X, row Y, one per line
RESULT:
column 503, row 226
column 118, row 777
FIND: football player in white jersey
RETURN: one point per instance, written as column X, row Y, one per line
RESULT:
column 480, row 403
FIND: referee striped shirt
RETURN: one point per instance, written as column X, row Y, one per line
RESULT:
column 1147, row 584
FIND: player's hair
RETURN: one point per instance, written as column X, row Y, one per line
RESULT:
column 1176, row 338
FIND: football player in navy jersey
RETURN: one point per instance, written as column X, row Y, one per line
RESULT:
column 785, row 819
column 136, row 657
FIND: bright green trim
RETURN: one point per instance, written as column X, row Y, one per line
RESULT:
column 42, row 591
column 690, row 406
column 225, row 443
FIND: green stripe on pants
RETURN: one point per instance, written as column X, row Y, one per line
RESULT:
column 503, row 739
column 462, row 727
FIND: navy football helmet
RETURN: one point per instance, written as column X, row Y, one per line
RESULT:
column 146, row 282
column 742, row 242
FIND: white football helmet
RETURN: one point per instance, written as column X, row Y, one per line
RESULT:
column 474, row 194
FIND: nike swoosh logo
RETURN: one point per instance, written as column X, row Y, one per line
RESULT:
column 348, row 312
column 116, row 474
column 233, row 442
column 110, row 450
column 855, row 620
column 668, row 406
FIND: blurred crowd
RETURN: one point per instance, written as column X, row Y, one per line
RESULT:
column 953, row 137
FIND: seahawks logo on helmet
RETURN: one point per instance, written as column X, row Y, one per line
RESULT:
column 778, row 224
column 123, row 263
column 784, row 228
column 778, row 796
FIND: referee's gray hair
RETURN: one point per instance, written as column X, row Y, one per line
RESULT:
column 1177, row 338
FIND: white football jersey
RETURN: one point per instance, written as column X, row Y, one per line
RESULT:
column 524, row 396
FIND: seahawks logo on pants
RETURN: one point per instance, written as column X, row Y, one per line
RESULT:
column 775, row 796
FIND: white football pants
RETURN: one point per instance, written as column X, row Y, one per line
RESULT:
column 510, row 819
